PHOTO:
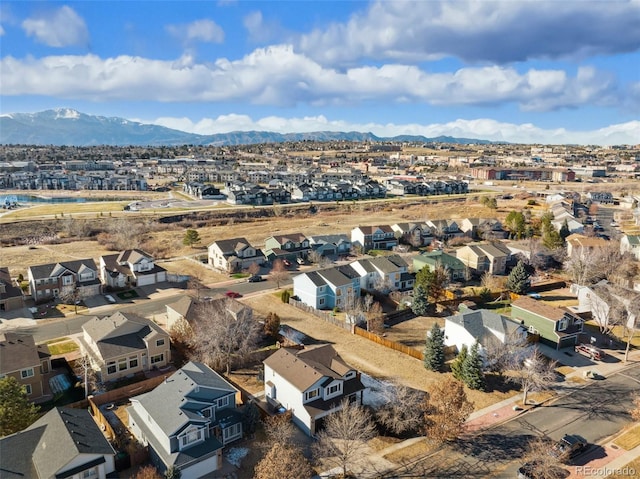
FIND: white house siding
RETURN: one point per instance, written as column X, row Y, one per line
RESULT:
column 201, row 468
column 103, row 469
column 289, row 397
column 456, row 335
column 306, row 290
column 160, row 436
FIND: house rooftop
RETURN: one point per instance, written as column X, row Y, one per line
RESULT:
column 540, row 308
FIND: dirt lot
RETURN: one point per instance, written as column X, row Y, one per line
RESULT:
column 368, row 357
column 413, row 332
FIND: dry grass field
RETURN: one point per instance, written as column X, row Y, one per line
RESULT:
column 365, row 355
column 195, row 269
column 413, row 332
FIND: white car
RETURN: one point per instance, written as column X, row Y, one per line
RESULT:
column 110, row 298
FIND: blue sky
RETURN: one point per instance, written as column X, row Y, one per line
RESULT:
column 557, row 71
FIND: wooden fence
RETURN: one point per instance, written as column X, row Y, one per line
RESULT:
column 414, row 353
column 324, row 315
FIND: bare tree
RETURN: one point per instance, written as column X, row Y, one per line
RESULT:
column 606, row 308
column 375, row 318
column 147, row 472
column 532, row 372
column 539, row 463
column 72, row 296
column 82, row 367
column 344, row 437
column 219, row 338
column 499, row 355
column 401, row 412
column 279, row 272
column 280, row 429
column 632, row 306
column 446, row 408
column 195, row 281
column 253, row 269
column 635, row 409
column 283, row 462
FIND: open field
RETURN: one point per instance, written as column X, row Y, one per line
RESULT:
column 413, row 332
column 195, row 269
column 365, row 355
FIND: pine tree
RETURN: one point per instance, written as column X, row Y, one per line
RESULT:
column 191, row 237
column 456, row 365
column 16, row 411
column 519, row 280
column 420, row 302
column 472, row 374
column 434, row 349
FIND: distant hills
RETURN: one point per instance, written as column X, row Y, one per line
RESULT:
column 69, row 127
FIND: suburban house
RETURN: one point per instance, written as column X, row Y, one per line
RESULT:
column 631, row 244
column 479, row 228
column 64, row 443
column 10, row 294
column 482, row 326
column 289, row 247
column 186, row 308
column 234, row 255
column 187, row 420
column 573, row 225
column 27, row 363
column 455, row 268
column 374, row 237
column 132, row 267
column 79, row 278
column 485, row 257
column 330, row 288
column 594, row 300
column 124, row 344
column 311, row 383
column 580, row 246
column 330, row 245
column 414, row 234
column 384, row 273
column 556, row 327
column 604, row 197
column 444, row 229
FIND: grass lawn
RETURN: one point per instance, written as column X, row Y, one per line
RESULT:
column 629, row 471
column 57, row 340
column 629, row 439
column 63, row 347
column 412, row 451
column 65, row 210
column 127, row 294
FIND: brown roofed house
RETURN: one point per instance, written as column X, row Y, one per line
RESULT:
column 28, row 363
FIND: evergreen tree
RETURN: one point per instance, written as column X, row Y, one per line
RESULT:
column 472, row 374
column 250, row 418
column 420, row 302
column 191, row 237
column 456, row 365
column 173, row 473
column 519, row 280
column 564, row 230
column 16, row 411
column 434, row 349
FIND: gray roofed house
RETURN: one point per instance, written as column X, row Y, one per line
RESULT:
column 132, row 267
column 64, row 443
column 311, row 382
column 57, row 280
column 186, row 308
column 482, row 326
column 187, row 419
column 329, row 245
column 123, row 344
column 10, row 294
column 234, row 254
column 327, row 288
column 25, row 361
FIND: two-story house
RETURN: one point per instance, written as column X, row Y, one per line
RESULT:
column 186, row 308
column 132, row 267
column 383, row 273
column 336, row 287
column 187, row 420
column 580, row 246
column 27, row 363
column 330, row 245
column 631, row 244
column 374, row 237
column 123, row 344
column 414, row 234
column 57, row 280
column 289, row 247
column 556, row 327
column 10, row 294
column 311, row 383
column 485, row 257
column 235, row 254
column 64, row 443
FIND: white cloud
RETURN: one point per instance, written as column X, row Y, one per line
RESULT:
column 59, row 28
column 259, row 29
column 204, row 30
column 488, row 129
column 476, row 30
column 278, row 76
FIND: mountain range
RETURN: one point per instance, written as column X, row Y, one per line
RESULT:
column 64, row 126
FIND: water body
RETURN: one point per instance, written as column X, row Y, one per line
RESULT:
column 21, row 199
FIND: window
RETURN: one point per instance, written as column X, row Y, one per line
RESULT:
column 122, row 364
column 191, row 436
column 27, row 388
column 159, row 342
column 333, row 389
column 321, row 302
column 111, row 367
column 207, row 412
column 232, row 431
column 93, row 472
column 26, row 373
column 133, row 362
column 311, row 394
column 67, row 280
column 158, row 358
column 562, row 324
column 223, row 402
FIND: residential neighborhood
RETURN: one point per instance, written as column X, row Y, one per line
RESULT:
column 189, row 341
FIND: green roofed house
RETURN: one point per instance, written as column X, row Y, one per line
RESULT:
column 454, row 267
column 556, row 327
column 630, row 243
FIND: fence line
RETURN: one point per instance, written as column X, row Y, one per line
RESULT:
column 414, row 353
column 324, row 315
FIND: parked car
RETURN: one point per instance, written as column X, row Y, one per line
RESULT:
column 568, row 447
column 590, row 351
column 110, row 298
column 232, row 294
column 540, row 470
column 534, row 295
column 256, row 278
column 286, row 262
column 300, row 261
